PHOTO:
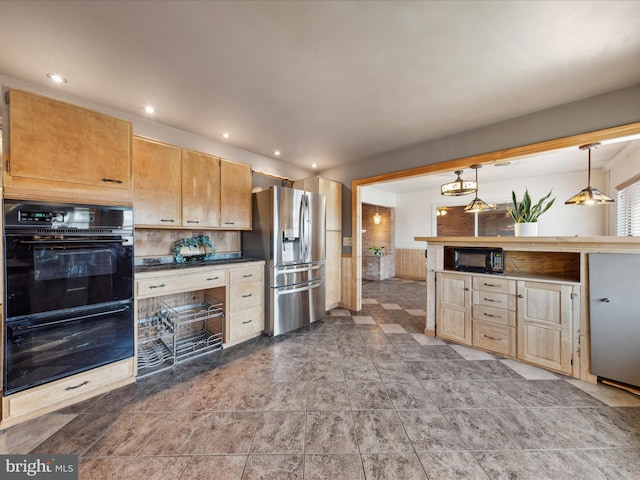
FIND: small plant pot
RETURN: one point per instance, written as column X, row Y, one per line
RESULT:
column 526, row 229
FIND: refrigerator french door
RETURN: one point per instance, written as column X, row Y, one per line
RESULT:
column 289, row 234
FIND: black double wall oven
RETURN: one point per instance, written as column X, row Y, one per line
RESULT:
column 68, row 290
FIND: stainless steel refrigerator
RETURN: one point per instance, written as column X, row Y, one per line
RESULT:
column 289, row 234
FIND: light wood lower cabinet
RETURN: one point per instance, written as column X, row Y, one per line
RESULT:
column 453, row 315
column 545, row 324
column 525, row 319
column 246, row 304
column 36, row 401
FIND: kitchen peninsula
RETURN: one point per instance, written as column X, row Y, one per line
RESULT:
column 536, row 311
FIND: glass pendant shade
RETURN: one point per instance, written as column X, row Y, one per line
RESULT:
column 589, row 195
column 476, row 204
column 458, row 186
column 377, row 217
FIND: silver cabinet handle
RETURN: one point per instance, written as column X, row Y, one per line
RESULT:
column 157, row 286
column 212, row 278
column 247, row 295
column 248, row 321
column 491, row 285
column 466, row 289
column 492, row 300
column 193, row 221
column 605, row 300
column 247, row 276
column 492, row 316
column 521, row 296
column 229, row 223
column 170, row 220
column 492, row 338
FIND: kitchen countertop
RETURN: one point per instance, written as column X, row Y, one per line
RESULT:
column 155, row 267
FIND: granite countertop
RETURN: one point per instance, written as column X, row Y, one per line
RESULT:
column 151, row 266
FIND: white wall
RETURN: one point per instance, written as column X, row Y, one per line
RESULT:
column 373, row 196
column 415, row 212
column 147, row 127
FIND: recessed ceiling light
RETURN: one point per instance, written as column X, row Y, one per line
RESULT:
column 56, row 78
column 225, row 135
column 277, row 153
column 313, row 165
column 502, row 164
column 149, row 109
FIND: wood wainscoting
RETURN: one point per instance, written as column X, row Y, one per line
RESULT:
column 410, row 263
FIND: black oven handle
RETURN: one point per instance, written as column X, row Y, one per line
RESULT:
column 58, row 322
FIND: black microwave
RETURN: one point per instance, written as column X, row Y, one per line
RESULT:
column 478, row 259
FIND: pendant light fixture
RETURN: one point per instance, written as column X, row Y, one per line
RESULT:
column 476, row 204
column 589, row 195
column 458, row 186
column 377, row 217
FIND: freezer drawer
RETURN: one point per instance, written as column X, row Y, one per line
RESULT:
column 294, row 274
column 295, row 306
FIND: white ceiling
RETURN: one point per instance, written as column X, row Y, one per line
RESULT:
column 325, row 82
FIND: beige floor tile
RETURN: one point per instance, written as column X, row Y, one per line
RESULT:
column 23, row 438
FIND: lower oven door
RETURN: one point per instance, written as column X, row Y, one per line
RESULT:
column 44, row 348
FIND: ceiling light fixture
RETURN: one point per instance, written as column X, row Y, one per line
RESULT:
column 56, row 78
column 149, row 109
column 589, row 195
column 225, row 135
column 476, row 204
column 377, row 218
column 313, row 165
column 458, row 186
column 277, row 153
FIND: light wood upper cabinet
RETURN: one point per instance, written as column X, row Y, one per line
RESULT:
column 545, row 313
column 156, row 183
column 453, row 307
column 235, row 195
column 332, row 191
column 62, row 151
column 200, row 190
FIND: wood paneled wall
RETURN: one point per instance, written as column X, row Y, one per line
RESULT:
column 410, row 262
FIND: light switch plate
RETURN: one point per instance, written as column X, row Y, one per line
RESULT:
column 346, row 241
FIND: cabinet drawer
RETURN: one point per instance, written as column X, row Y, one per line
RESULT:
column 495, row 338
column 496, row 315
column 162, row 285
column 246, row 295
column 246, row 323
column 244, row 275
column 494, row 284
column 63, row 392
column 495, row 300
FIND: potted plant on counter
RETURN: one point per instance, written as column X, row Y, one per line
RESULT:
column 525, row 214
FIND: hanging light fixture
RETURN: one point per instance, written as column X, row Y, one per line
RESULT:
column 589, row 195
column 458, row 186
column 476, row 204
column 377, row 217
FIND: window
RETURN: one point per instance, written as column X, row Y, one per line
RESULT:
column 629, row 208
column 452, row 221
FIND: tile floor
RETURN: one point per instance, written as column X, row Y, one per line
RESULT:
column 354, row 396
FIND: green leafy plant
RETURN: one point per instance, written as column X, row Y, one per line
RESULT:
column 526, row 211
column 377, row 251
column 201, row 244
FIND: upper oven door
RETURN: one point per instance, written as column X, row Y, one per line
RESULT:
column 45, row 274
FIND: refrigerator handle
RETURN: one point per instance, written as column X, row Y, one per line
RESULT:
column 305, row 232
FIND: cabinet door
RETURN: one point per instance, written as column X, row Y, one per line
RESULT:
column 545, row 318
column 333, row 191
column 70, row 147
column 235, row 195
column 156, row 183
column 333, row 269
column 200, row 190
column 453, row 313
